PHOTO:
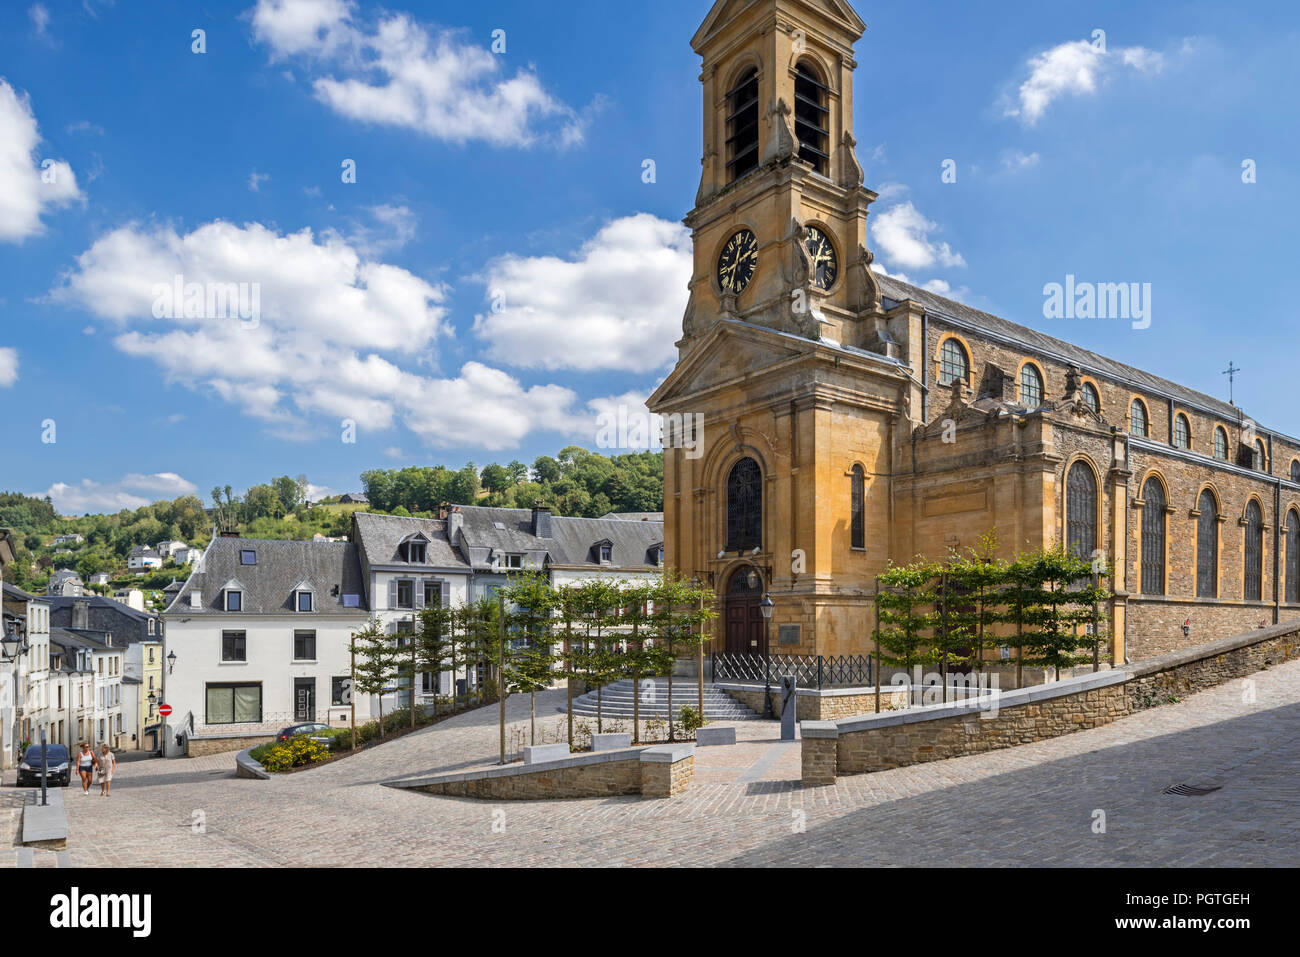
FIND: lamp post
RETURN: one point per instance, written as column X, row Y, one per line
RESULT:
column 767, row 606
column 12, row 647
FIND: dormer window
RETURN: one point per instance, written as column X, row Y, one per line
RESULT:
column 304, row 597
column 604, row 552
column 247, row 556
column 514, row 560
column 656, row 555
column 234, row 600
column 305, row 601
column 413, row 549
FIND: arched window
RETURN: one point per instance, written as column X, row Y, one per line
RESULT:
column 857, row 523
column 1031, row 386
column 1295, row 470
column 1182, row 432
column 744, row 505
column 811, row 118
column 1220, row 444
column 953, row 363
column 1153, row 538
column 1207, row 546
column 1090, row 397
column 1081, row 510
column 1254, row 574
column 1261, row 460
column 1137, row 419
column 742, row 126
column 1292, row 557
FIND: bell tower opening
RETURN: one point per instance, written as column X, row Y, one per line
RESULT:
column 812, row 118
column 742, row 126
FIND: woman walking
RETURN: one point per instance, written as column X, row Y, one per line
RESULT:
column 86, row 762
column 106, row 765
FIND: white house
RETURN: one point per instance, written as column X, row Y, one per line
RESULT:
column 92, row 690
column 25, row 695
column 142, row 558
column 169, row 549
column 187, row 555
column 261, row 632
column 65, row 583
column 99, row 578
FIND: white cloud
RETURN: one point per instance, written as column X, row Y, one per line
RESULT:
column 131, row 492
column 29, row 187
column 1075, row 68
column 617, row 305
column 394, row 227
column 1015, row 161
column 399, row 74
column 256, row 179
column 8, row 367
column 902, row 236
column 40, row 18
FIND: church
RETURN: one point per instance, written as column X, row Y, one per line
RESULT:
column 851, row 420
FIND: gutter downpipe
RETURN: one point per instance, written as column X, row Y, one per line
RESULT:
column 1277, row 536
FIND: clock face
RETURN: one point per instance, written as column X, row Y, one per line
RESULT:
column 824, row 264
column 737, row 262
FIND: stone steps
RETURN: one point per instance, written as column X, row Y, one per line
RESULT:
column 616, row 701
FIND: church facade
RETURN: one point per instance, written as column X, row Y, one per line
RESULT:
column 851, row 420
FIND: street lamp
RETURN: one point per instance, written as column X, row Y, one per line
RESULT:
column 171, row 661
column 766, row 606
column 13, row 646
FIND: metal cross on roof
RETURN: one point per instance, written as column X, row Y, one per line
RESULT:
column 1231, row 373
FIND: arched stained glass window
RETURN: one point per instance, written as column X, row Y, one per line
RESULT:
column 1182, row 432
column 857, row 522
column 1031, row 386
column 953, row 363
column 744, row 505
column 1220, row 444
column 1295, row 470
column 1137, row 415
column 1153, row 538
column 1254, row 572
column 1261, row 458
column 1081, row 510
column 1090, row 397
column 1292, row 557
column 1207, row 546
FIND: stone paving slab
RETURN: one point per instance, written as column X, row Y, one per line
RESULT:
column 1031, row 805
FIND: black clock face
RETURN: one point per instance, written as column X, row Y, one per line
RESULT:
column 824, row 265
column 737, row 262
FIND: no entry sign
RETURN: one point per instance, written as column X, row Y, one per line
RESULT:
column 164, row 709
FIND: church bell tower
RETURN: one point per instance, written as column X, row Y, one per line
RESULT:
column 779, row 223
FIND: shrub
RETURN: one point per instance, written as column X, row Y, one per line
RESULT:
column 297, row 752
column 691, row 720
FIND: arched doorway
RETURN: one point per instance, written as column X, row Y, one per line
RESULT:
column 744, row 616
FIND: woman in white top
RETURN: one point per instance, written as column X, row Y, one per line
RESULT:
column 86, row 762
column 106, row 765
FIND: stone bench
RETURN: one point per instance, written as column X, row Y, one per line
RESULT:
column 706, row 736
column 539, row 753
column 610, row 742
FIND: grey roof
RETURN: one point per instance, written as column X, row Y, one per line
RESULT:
column 14, row 593
column 57, row 602
column 69, row 638
column 379, row 535
column 143, row 551
column 1034, row 340
column 269, row 584
column 572, row 540
column 636, row 516
column 64, row 575
column 352, row 498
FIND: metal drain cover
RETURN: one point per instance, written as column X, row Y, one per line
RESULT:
column 1192, row 790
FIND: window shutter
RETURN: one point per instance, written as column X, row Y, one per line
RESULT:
column 392, row 593
column 418, row 598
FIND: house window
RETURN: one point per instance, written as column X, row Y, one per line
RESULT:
column 1137, row 419
column 953, row 364
column 433, row 594
column 811, row 118
column 1295, row 470
column 234, row 646
column 1031, row 386
column 234, row 600
column 233, row 704
column 405, row 593
column 151, row 651
column 1081, row 510
column 304, row 601
column 514, row 561
column 1182, row 433
column 1207, row 546
column 606, row 553
column 413, row 550
column 151, row 626
column 247, row 556
column 1254, row 573
column 1220, row 444
column 857, row 515
column 1090, row 397
column 742, row 126
column 744, row 505
column 304, row 646
column 1292, row 557
column 1153, row 538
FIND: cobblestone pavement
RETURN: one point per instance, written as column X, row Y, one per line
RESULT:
column 1031, row 805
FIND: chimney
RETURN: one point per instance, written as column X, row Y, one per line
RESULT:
column 542, row 521
column 455, row 522
column 81, row 614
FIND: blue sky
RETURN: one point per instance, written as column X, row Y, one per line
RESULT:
column 499, row 273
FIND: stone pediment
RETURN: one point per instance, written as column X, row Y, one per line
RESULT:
column 724, row 11
column 958, row 413
column 730, row 351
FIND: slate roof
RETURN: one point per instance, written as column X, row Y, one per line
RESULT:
column 269, row 584
column 1034, row 340
column 636, row 516
column 14, row 593
column 571, row 540
column 379, row 535
column 143, row 551
column 69, row 638
column 63, row 575
column 57, row 602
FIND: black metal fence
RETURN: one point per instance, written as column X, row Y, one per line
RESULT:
column 809, row 671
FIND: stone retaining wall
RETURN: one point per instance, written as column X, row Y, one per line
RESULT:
column 655, row 772
column 826, row 705
column 202, row 747
column 876, row 742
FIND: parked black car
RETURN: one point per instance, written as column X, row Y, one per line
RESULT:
column 308, row 727
column 58, row 770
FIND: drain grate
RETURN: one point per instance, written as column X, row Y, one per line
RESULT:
column 1192, row 790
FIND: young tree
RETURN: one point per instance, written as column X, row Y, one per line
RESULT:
column 376, row 664
column 529, row 663
column 435, row 646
